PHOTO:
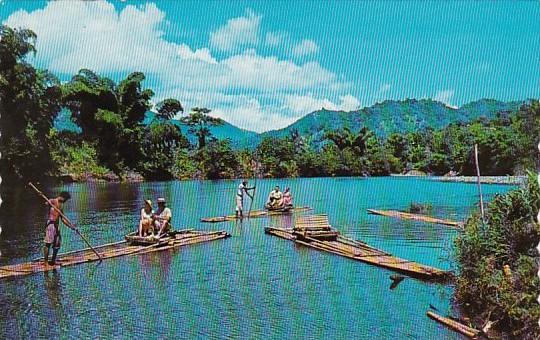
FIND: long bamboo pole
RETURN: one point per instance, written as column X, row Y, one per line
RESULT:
column 254, row 185
column 65, row 219
column 478, row 181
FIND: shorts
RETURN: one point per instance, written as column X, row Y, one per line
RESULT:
column 52, row 235
column 239, row 203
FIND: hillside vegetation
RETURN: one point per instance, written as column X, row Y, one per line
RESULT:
column 94, row 127
column 498, row 264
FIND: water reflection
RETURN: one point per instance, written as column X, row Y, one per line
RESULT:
column 155, row 267
column 247, row 280
column 53, row 288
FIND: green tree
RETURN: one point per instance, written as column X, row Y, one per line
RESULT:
column 169, row 108
column 217, row 160
column 199, row 123
column 29, row 103
column 497, row 263
column 277, row 157
column 110, row 116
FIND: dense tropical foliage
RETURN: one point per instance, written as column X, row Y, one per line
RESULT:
column 117, row 134
column 498, row 263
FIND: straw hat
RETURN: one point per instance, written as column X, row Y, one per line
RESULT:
column 148, row 202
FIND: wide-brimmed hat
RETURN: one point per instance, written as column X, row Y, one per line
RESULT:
column 161, row 200
column 148, row 202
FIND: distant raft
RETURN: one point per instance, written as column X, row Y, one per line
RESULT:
column 256, row 214
column 315, row 231
column 415, row 217
column 176, row 239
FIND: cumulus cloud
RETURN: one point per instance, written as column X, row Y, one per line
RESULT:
column 203, row 54
column 252, row 115
column 237, row 32
column 305, row 47
column 274, row 39
column 93, row 35
column 308, row 103
column 247, row 89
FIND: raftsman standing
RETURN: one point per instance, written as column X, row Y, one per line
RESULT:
column 52, row 229
column 242, row 189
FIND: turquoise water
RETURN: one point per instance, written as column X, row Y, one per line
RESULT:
column 250, row 285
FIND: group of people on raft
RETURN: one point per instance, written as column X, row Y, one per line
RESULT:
column 155, row 223
column 152, row 222
column 276, row 200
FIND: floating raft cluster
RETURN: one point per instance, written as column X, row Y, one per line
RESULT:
column 123, row 248
column 255, row 214
column 415, row 217
column 316, row 232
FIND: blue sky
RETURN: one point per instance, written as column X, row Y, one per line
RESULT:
column 262, row 65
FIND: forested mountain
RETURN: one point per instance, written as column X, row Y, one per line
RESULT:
column 393, row 116
column 383, row 118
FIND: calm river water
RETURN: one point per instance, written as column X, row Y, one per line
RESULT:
column 251, row 285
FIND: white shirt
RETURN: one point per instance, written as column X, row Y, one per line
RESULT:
column 241, row 190
column 145, row 215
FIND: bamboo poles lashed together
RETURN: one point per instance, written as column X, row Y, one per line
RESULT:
column 69, row 223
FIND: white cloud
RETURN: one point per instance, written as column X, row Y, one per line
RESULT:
column 444, row 97
column 203, row 54
column 237, row 32
column 247, row 89
column 252, row 115
column 250, row 70
column 305, row 47
column 308, row 103
column 275, row 38
column 93, row 35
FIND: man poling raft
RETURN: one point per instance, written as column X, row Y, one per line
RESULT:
column 240, row 192
column 52, row 227
column 52, row 230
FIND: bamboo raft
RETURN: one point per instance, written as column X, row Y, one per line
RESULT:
column 123, row 248
column 256, row 214
column 454, row 325
column 315, row 231
column 415, row 217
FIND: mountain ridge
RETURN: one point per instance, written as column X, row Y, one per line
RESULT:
column 383, row 118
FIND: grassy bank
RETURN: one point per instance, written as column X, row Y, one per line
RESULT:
column 497, row 264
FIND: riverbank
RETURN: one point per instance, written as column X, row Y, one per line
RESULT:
column 132, row 176
column 497, row 264
column 508, row 180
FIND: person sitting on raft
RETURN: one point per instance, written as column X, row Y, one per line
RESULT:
column 145, row 224
column 275, row 199
column 287, row 198
column 162, row 218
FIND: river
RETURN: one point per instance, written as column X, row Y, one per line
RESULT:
column 250, row 285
